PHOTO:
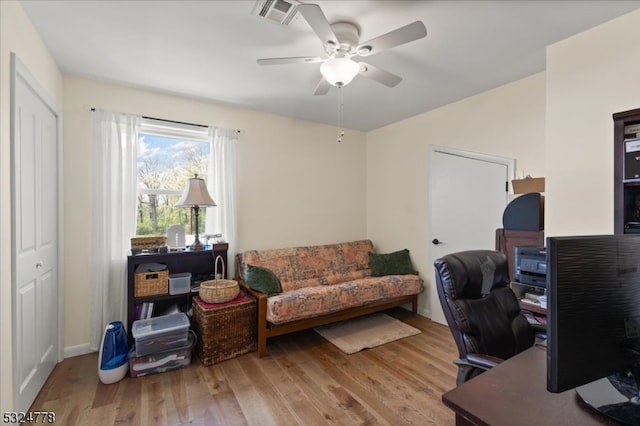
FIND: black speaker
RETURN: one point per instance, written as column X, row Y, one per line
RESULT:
column 525, row 213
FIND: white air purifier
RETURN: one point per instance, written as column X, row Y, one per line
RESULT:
column 113, row 359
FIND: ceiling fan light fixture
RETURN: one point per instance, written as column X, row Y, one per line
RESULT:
column 339, row 71
column 364, row 50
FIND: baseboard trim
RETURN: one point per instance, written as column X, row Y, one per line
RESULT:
column 72, row 351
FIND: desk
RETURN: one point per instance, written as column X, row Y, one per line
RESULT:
column 515, row 392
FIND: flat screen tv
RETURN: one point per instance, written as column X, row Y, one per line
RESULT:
column 593, row 321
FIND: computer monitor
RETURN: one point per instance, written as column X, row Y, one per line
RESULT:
column 593, row 321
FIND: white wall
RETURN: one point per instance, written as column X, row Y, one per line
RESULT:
column 555, row 124
column 296, row 184
column 590, row 76
column 507, row 122
column 17, row 35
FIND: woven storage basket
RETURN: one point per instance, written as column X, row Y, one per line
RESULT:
column 225, row 330
column 219, row 290
column 151, row 283
column 148, row 242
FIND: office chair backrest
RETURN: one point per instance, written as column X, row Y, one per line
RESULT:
column 482, row 311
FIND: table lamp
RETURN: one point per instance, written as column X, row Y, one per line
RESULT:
column 195, row 195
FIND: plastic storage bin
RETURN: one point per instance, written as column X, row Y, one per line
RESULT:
column 161, row 361
column 180, row 283
column 160, row 334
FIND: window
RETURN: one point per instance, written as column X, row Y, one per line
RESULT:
column 168, row 155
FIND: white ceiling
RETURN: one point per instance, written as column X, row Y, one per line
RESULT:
column 208, row 50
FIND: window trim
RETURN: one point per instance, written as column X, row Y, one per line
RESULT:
column 159, row 191
column 174, row 129
column 180, row 132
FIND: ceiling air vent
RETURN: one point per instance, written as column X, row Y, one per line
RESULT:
column 278, row 11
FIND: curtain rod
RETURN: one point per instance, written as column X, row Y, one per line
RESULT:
column 174, row 121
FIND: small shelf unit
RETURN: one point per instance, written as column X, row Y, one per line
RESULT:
column 198, row 263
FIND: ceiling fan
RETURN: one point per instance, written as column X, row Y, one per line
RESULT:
column 341, row 42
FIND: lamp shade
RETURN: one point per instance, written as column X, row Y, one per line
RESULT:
column 196, row 194
column 339, row 71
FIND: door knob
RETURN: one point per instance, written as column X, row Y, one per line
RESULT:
column 39, row 264
column 436, row 241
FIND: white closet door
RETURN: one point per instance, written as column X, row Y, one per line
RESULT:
column 35, row 238
column 468, row 194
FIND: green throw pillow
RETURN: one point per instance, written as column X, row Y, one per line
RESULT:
column 262, row 280
column 396, row 263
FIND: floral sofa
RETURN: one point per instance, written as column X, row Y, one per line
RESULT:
column 304, row 287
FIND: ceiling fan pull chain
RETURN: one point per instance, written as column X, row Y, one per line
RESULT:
column 341, row 114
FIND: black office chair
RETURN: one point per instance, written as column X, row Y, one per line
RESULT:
column 482, row 311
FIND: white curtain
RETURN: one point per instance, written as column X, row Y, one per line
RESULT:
column 113, row 216
column 222, row 187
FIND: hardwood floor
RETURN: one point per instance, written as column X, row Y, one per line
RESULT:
column 302, row 380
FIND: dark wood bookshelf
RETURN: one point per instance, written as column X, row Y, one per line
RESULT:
column 625, row 191
column 198, row 263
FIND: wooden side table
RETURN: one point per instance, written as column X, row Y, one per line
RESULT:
column 225, row 330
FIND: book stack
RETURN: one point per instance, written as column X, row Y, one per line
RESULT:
column 532, row 298
column 632, row 131
column 148, row 310
column 144, row 310
column 632, row 152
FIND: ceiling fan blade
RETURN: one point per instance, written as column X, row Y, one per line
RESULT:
column 293, row 60
column 318, row 22
column 379, row 75
column 402, row 35
column 322, row 88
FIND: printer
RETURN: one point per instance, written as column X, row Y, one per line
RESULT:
column 531, row 266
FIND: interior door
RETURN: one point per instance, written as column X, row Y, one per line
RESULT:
column 468, row 194
column 35, row 237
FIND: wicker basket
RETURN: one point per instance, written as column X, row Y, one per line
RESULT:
column 219, row 290
column 151, row 283
column 225, row 330
column 148, row 242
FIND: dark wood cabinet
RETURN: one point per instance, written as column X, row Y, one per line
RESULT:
column 626, row 185
column 507, row 240
column 199, row 263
